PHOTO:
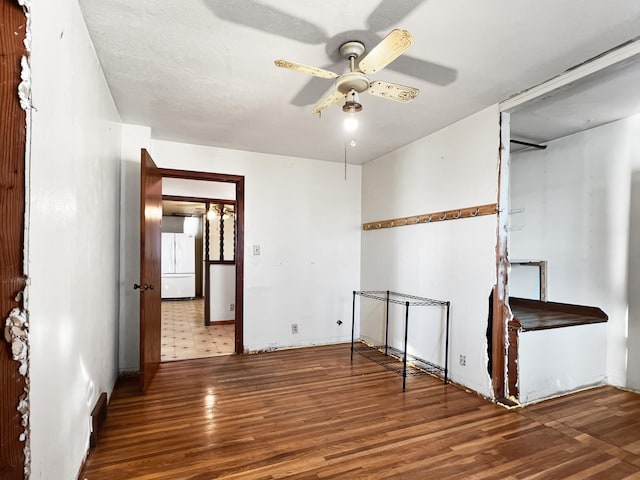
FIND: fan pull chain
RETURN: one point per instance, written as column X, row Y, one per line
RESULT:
column 345, row 159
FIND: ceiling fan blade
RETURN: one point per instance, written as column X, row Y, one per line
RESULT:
column 316, row 72
column 390, row 48
column 316, row 88
column 393, row 91
column 335, row 97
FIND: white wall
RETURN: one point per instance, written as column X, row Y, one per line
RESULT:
column 223, row 292
column 306, row 219
column 576, row 201
column 134, row 138
column 561, row 360
column 181, row 187
column 73, row 239
column 452, row 260
column 633, row 341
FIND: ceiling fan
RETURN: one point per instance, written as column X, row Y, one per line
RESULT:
column 355, row 81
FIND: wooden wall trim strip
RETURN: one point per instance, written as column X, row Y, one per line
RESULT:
column 457, row 214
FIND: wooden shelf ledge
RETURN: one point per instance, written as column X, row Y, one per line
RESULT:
column 532, row 315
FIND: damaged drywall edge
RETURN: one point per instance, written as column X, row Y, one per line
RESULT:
column 16, row 333
column 24, row 88
column 17, row 323
column 500, row 335
column 26, row 7
column 24, row 94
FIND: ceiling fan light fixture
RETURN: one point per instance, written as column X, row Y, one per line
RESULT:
column 351, row 122
column 351, row 107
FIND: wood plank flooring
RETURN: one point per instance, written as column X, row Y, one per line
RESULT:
column 311, row 414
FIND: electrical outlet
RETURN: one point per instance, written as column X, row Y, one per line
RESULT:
column 294, row 328
column 463, row 360
column 232, row 307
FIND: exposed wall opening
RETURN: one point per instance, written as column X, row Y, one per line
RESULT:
column 197, row 233
column 569, row 231
column 234, row 257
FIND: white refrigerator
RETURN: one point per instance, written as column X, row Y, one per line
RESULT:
column 178, row 265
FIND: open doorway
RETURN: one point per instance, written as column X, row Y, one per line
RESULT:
column 202, row 226
column 187, row 330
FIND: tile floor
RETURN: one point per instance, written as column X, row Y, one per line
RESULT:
column 184, row 335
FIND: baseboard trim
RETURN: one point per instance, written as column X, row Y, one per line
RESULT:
column 98, row 418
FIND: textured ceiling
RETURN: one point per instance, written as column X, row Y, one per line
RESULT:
column 201, row 71
column 605, row 96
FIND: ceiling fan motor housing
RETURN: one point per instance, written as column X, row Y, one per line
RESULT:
column 352, row 81
column 352, row 49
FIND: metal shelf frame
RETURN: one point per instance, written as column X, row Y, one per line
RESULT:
column 389, row 297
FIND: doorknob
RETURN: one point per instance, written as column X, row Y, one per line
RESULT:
column 136, row 286
column 144, row 287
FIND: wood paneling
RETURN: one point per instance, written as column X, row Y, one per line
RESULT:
column 310, row 414
column 12, row 208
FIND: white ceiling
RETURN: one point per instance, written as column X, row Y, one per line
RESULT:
column 602, row 97
column 201, row 71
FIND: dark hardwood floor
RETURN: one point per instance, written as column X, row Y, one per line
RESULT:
column 311, row 414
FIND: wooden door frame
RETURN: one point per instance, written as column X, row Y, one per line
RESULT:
column 238, row 181
column 13, row 129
